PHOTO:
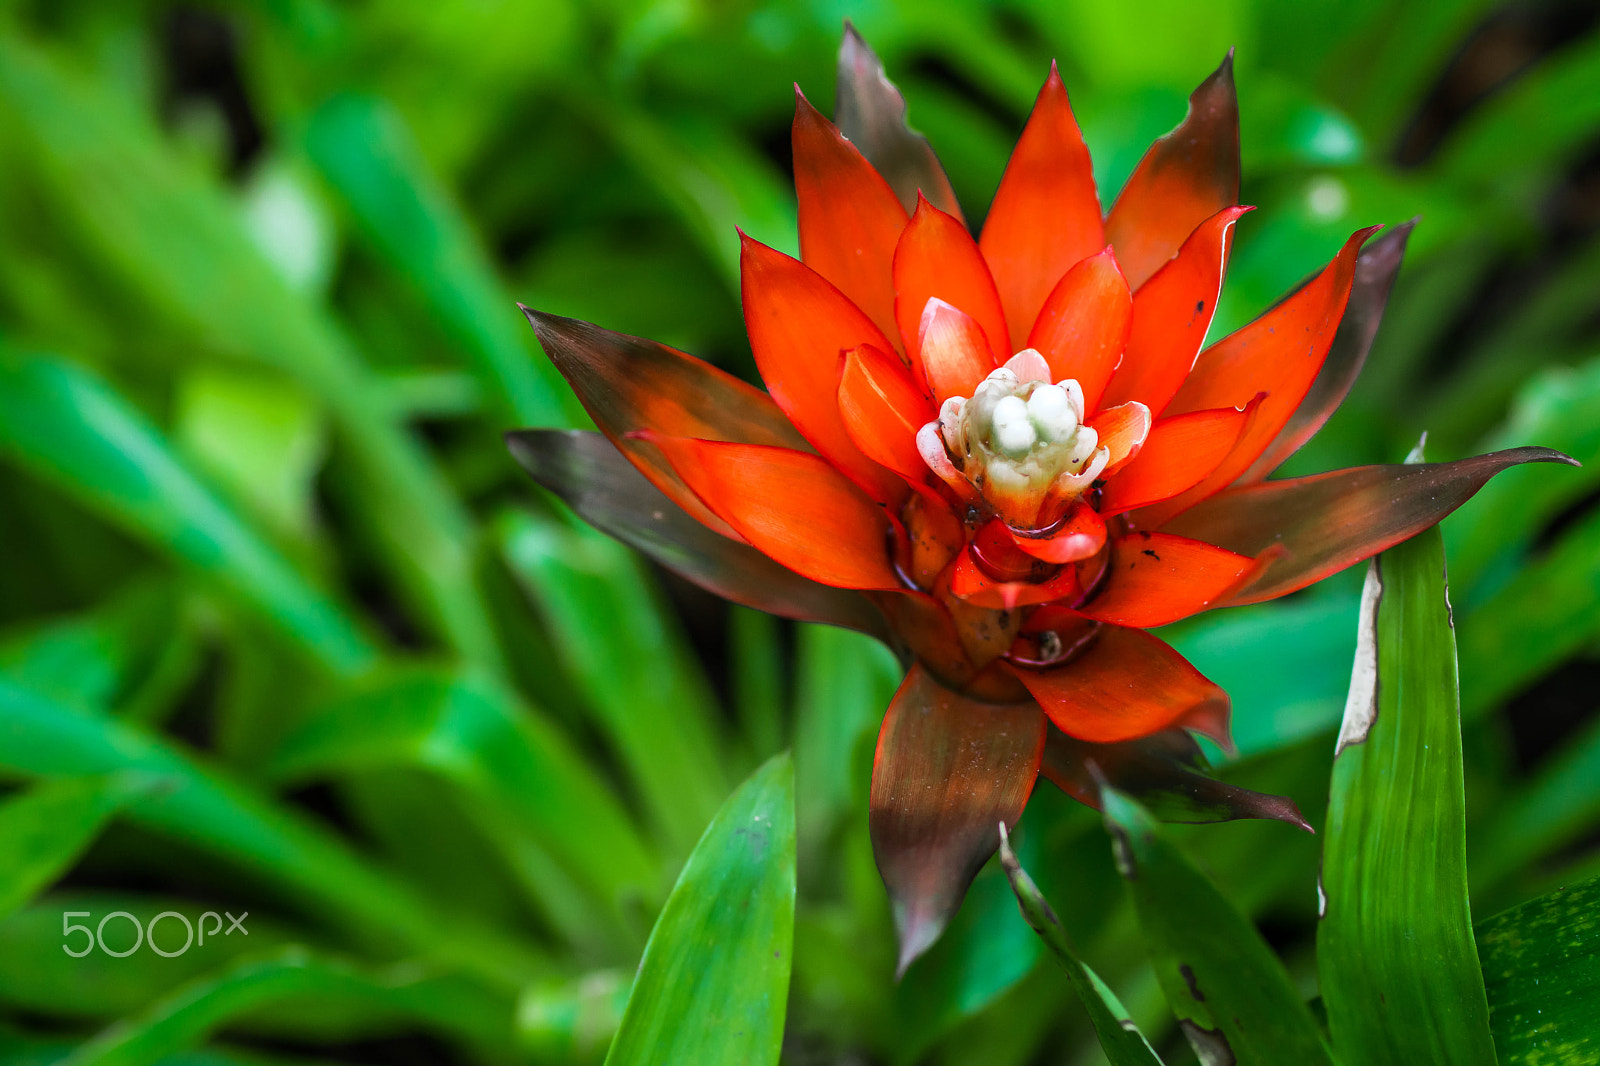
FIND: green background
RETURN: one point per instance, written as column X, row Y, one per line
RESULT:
column 283, row 629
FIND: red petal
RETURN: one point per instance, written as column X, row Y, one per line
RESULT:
column 954, row 353
column 1122, row 431
column 1171, row 313
column 1083, row 327
column 1376, row 268
column 605, row 489
column 1153, row 579
column 948, row 770
column 1127, row 684
column 969, row 581
column 1045, row 216
column 1185, row 178
column 1179, row 452
column 792, row 506
column 1079, row 535
column 627, row 383
column 1329, row 521
column 871, row 112
column 1280, row 354
column 1164, row 772
column 937, row 257
column 850, row 219
column 883, row 409
column 800, row 327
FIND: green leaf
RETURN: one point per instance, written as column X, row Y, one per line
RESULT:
column 505, row 755
column 1229, row 991
column 186, row 1017
column 44, row 829
column 714, row 980
column 1396, row 923
column 648, row 693
column 203, row 809
column 69, row 427
column 1541, row 963
column 368, row 157
column 1120, row 1038
column 182, row 250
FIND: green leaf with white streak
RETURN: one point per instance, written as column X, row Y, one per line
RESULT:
column 1398, row 965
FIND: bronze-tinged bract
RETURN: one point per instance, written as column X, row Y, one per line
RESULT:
column 1007, row 456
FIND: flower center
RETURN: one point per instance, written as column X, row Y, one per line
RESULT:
column 1021, row 442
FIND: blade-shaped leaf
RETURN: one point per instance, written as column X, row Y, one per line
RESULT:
column 73, row 429
column 714, row 980
column 204, row 809
column 1229, row 991
column 1541, row 963
column 186, row 1017
column 44, row 829
column 1124, row 1045
column 506, row 756
column 1398, row 966
column 647, row 691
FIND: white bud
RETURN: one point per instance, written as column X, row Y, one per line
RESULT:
column 1013, row 431
column 1052, row 414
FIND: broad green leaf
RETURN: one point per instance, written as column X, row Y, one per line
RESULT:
column 507, row 757
column 189, row 1015
column 714, row 981
column 44, row 829
column 1119, row 1037
column 72, row 429
column 204, row 809
column 648, row 693
column 1396, row 925
column 1231, row 995
column 183, row 250
column 1541, row 963
column 368, row 158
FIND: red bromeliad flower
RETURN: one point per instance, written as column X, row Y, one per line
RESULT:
column 1008, row 457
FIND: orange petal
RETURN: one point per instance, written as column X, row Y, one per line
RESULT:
column 1083, row 327
column 1179, row 452
column 1122, row 431
column 1078, row 536
column 628, row 383
column 1153, row 579
column 1171, row 313
column 1279, row 354
column 1127, row 684
column 850, row 220
column 938, row 257
column 1045, row 216
column 790, row 505
column 1185, row 178
column 1329, row 521
column 947, row 770
column 883, row 409
column 953, row 351
column 800, row 326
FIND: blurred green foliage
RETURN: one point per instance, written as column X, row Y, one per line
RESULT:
column 283, row 630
